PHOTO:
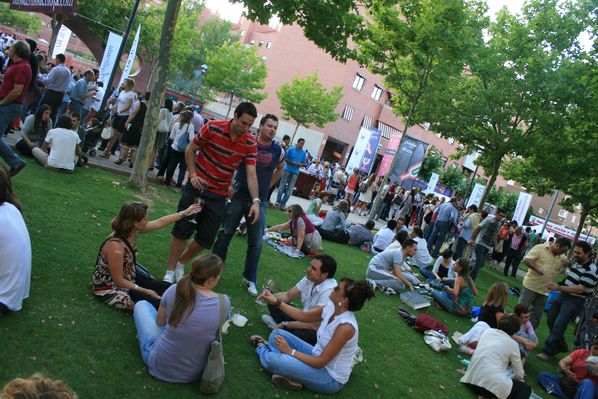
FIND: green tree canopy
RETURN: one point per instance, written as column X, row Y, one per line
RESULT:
column 453, row 178
column 307, row 101
column 238, row 71
column 507, row 95
column 27, row 22
column 503, row 199
column 433, row 163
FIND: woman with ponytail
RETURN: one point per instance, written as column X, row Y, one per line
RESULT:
column 175, row 340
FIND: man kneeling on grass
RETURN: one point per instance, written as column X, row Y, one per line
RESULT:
column 314, row 290
column 63, row 144
column 388, row 271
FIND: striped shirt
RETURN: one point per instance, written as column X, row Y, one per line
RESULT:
column 220, row 155
column 585, row 275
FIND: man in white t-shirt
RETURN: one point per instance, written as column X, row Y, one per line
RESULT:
column 422, row 257
column 384, row 237
column 63, row 144
column 314, row 290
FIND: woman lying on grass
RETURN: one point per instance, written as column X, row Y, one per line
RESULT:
column 325, row 367
column 175, row 341
column 114, row 278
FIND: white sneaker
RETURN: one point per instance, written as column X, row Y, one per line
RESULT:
column 250, row 286
column 372, row 283
column 169, row 277
column 269, row 321
column 179, row 274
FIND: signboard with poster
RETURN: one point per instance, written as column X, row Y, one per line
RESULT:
column 45, row 6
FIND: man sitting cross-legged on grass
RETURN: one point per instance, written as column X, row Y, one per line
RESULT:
column 63, row 144
column 388, row 272
column 326, row 366
column 314, row 290
column 115, row 278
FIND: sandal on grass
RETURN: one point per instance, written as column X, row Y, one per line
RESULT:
column 284, row 383
column 257, row 341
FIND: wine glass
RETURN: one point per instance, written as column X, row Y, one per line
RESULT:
column 200, row 201
column 268, row 286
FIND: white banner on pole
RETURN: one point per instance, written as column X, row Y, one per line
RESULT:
column 476, row 195
column 557, row 229
column 432, row 183
column 62, row 40
column 522, row 206
column 130, row 58
column 358, row 150
column 109, row 58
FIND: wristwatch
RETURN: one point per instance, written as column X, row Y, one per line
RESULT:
column 285, row 325
column 259, row 201
column 182, row 214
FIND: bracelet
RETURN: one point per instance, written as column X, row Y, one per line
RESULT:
column 278, row 303
column 293, row 352
column 182, row 214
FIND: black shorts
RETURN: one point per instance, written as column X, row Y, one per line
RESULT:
column 208, row 220
column 119, row 123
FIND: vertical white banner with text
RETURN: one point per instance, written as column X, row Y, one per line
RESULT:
column 522, row 206
column 109, row 58
column 432, row 183
column 358, row 150
column 131, row 58
column 476, row 195
column 62, row 40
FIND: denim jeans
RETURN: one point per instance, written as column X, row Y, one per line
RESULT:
column 286, row 186
column 8, row 113
column 235, row 210
column 437, row 237
column 428, row 231
column 481, row 254
column 564, row 309
column 147, row 329
column 513, row 258
column 585, row 389
column 459, row 248
column 315, row 379
column 444, row 299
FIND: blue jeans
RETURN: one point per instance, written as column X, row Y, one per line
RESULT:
column 8, row 113
column 481, row 254
column 428, row 231
column 459, row 248
column 564, row 309
column 437, row 237
column 235, row 210
column 147, row 329
column 315, row 379
column 585, row 389
column 286, row 186
column 444, row 299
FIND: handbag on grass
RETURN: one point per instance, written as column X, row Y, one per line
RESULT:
column 212, row 377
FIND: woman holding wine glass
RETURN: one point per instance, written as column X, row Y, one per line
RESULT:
column 325, row 367
column 305, row 237
column 115, row 278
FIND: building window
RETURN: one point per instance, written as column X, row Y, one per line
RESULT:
column 573, row 219
column 358, row 82
column 541, row 211
column 252, row 42
column 563, row 213
column 242, row 33
column 269, row 45
column 264, row 58
column 260, row 43
column 388, row 100
column 377, row 93
column 348, row 113
column 367, row 121
column 450, row 140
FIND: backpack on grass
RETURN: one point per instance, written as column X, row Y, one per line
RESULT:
column 425, row 322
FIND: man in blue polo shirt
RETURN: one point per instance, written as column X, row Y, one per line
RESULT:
column 269, row 166
column 295, row 159
column 447, row 215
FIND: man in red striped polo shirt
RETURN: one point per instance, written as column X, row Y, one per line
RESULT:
column 212, row 159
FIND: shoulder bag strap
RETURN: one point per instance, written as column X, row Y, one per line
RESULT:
column 222, row 316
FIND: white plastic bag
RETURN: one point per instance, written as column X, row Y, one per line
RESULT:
column 106, row 133
column 437, row 341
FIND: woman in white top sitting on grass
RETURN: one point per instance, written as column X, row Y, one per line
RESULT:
column 442, row 271
column 325, row 367
column 486, row 374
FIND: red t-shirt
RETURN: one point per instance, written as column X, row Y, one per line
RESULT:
column 220, row 155
column 578, row 366
column 352, row 182
column 17, row 73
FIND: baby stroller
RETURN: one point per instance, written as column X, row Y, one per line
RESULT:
column 93, row 132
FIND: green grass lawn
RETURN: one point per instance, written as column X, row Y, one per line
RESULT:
column 64, row 332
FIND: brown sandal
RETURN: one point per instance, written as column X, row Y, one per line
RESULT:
column 257, row 341
column 284, row 383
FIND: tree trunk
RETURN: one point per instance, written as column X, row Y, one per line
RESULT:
column 582, row 219
column 150, row 124
column 56, row 24
column 491, row 180
column 294, row 133
column 230, row 104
